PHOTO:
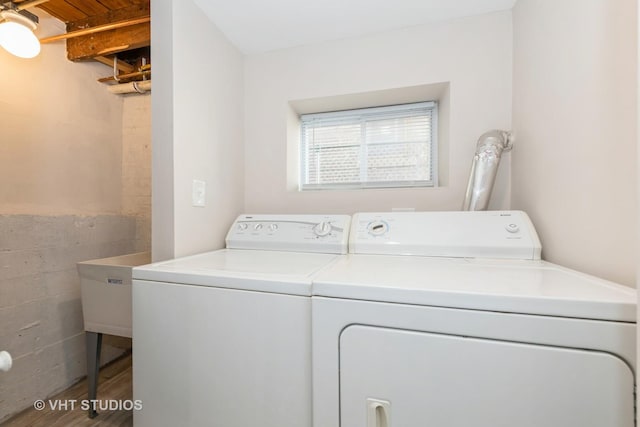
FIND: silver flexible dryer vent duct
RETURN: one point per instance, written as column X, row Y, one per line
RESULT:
column 484, row 168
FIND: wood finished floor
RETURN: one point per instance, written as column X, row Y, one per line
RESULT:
column 114, row 384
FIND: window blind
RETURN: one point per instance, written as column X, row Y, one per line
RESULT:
column 392, row 146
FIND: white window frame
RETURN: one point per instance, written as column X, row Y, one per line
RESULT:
column 347, row 116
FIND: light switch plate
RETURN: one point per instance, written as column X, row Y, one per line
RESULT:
column 198, row 193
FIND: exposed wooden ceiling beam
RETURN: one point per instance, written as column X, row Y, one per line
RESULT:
column 97, row 29
column 113, row 32
column 109, row 42
column 130, row 12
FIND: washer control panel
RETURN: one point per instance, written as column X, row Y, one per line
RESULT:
column 476, row 234
column 299, row 233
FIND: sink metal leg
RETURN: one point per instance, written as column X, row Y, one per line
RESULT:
column 94, row 345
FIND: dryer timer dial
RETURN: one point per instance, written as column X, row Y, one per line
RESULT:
column 322, row 229
column 377, row 228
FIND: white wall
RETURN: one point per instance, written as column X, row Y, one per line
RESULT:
column 473, row 54
column 574, row 164
column 197, row 130
column 162, row 212
column 136, row 165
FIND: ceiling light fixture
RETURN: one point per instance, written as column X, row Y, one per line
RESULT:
column 16, row 33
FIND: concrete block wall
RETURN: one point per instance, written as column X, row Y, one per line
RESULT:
column 40, row 307
column 136, row 165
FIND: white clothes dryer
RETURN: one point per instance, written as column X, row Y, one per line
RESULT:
column 224, row 338
column 451, row 319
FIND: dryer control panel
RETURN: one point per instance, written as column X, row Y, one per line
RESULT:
column 298, row 233
column 464, row 234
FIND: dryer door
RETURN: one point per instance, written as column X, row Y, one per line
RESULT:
column 392, row 377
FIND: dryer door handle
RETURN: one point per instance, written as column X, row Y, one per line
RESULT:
column 378, row 413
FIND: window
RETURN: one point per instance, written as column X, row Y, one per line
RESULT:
column 377, row 147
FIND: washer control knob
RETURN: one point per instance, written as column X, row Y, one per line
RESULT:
column 242, row 226
column 322, row 229
column 512, row 228
column 273, row 227
column 257, row 227
column 378, row 228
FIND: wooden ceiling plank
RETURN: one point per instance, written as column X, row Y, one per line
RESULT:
column 109, row 42
column 89, row 7
column 114, row 4
column 62, row 10
column 130, row 12
column 50, row 11
column 135, row 75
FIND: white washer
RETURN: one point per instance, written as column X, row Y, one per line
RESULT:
column 487, row 336
column 223, row 338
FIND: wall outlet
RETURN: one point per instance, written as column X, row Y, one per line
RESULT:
column 198, row 193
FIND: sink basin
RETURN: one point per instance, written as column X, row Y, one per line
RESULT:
column 105, row 285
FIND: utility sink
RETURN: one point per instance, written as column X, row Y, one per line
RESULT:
column 106, row 292
column 105, row 285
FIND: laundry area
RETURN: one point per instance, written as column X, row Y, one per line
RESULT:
column 322, row 214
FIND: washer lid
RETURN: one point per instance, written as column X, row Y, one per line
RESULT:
column 527, row 287
column 264, row 271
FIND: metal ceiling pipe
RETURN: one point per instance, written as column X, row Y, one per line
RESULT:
column 132, row 87
column 484, row 168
